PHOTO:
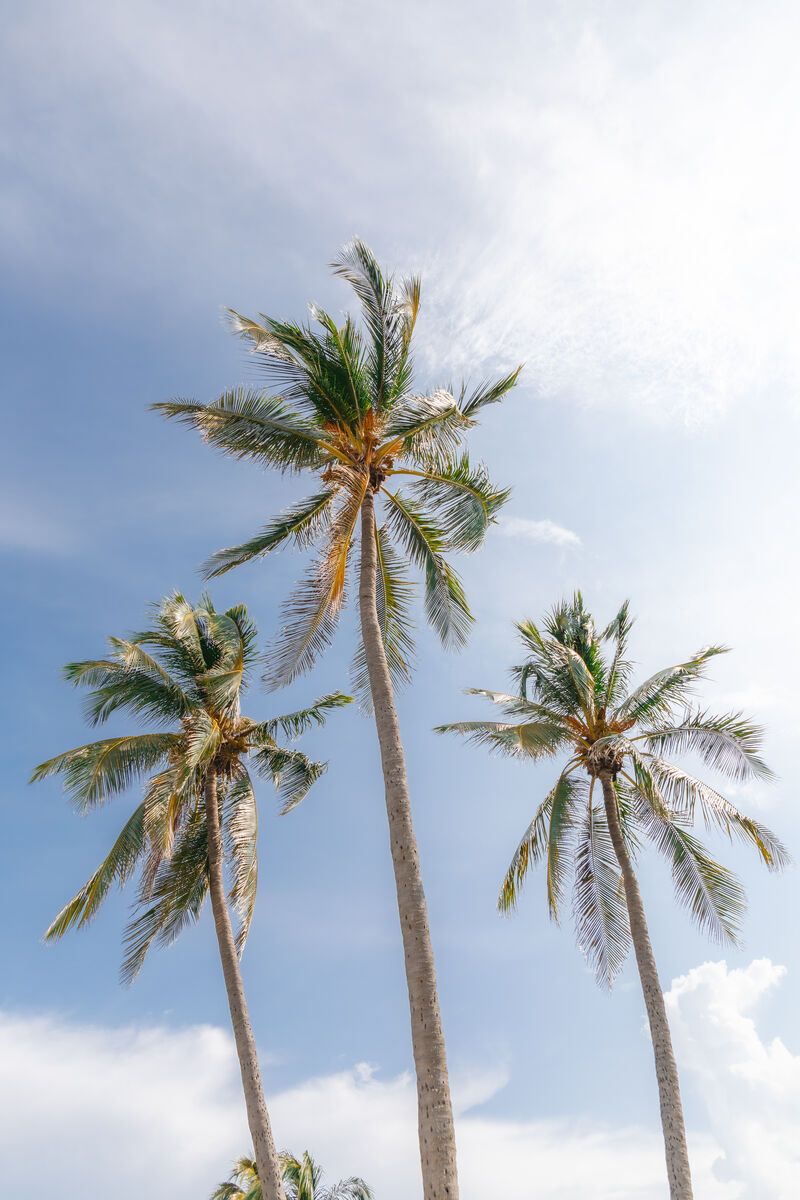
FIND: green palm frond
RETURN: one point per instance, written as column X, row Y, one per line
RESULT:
column 312, row 613
column 299, row 525
column 531, row 850
column 247, row 423
column 116, row 868
column 394, row 592
column 386, row 320
column 529, row 739
column 598, row 900
column 295, row 724
column 463, row 498
column 174, row 900
column 658, row 696
column 99, row 770
column 711, row 893
column 132, row 679
column 487, row 393
column 241, row 827
column 429, row 428
column 424, row 542
column 292, row 772
column 729, row 743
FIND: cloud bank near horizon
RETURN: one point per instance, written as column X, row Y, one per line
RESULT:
column 152, row 1103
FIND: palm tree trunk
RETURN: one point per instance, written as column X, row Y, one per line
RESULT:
column 437, row 1142
column 669, row 1090
column 269, row 1171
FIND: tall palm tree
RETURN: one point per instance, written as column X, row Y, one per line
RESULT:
column 574, row 699
column 302, row 1180
column 198, row 815
column 347, row 412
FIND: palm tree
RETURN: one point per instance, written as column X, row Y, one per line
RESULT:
column 347, row 413
column 198, row 815
column 574, row 699
column 302, row 1180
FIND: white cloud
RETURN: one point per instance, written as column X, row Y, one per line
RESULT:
column 750, row 1086
column 538, row 531
column 159, row 1108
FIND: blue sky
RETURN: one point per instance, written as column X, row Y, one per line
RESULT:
column 607, row 192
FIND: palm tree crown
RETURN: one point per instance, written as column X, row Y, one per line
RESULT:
column 347, row 412
column 186, row 674
column 574, row 698
column 302, row 1180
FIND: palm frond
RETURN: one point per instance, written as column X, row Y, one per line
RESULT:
column 729, row 743
column 247, row 423
column 427, row 429
column 312, row 612
column 177, row 895
column 528, row 739
column 293, row 725
column 684, row 792
column 117, row 867
column 598, row 900
column 487, row 393
column 711, row 893
column 299, row 525
column 393, row 595
column 658, row 695
column 99, row 770
column 445, row 603
column 463, row 498
column 292, row 772
column 241, row 828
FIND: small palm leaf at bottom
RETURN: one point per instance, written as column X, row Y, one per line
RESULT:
column 302, row 1180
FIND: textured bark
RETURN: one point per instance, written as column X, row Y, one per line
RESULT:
column 269, row 1171
column 437, row 1144
column 669, row 1090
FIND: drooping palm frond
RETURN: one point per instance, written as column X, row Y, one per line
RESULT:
column 598, row 899
column 241, row 827
column 463, row 498
column 312, row 613
column 116, row 868
column 729, row 743
column 424, row 542
column 96, row 772
column 394, row 591
column 299, row 525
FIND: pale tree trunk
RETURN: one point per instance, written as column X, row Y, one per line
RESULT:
column 669, row 1090
column 437, row 1144
column 269, row 1171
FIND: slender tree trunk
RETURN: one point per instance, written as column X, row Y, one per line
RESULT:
column 269, row 1171
column 437, row 1143
column 669, row 1090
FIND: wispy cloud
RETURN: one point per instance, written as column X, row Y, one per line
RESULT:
column 616, row 207
column 538, row 531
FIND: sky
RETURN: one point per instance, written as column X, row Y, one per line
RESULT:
column 607, row 192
